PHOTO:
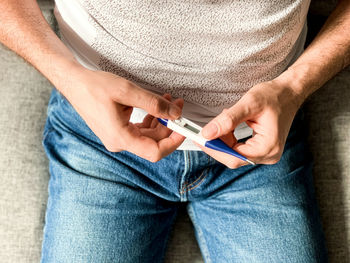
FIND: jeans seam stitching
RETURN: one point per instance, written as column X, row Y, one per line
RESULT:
column 188, row 185
column 183, row 183
column 199, row 183
column 201, row 178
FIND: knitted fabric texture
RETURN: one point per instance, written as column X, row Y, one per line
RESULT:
column 207, row 52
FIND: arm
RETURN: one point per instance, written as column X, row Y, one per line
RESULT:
column 105, row 109
column 269, row 108
column 24, row 30
column 327, row 54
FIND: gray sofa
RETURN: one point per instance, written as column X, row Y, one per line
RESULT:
column 24, row 94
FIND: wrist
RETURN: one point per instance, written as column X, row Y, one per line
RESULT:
column 61, row 71
column 298, row 79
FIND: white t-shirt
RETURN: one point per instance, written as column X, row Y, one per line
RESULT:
column 208, row 52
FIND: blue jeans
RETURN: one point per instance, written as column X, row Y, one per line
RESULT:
column 117, row 207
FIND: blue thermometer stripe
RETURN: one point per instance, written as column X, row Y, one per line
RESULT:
column 163, row 121
column 219, row 145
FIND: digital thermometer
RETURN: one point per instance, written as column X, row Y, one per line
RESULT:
column 193, row 131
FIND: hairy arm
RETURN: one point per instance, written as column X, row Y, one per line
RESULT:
column 327, row 54
column 269, row 107
column 24, row 30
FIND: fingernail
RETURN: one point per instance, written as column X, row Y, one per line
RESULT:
column 174, row 111
column 210, row 130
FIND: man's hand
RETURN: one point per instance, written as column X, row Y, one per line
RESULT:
column 269, row 109
column 105, row 102
column 102, row 99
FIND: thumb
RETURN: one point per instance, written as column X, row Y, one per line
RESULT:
column 225, row 122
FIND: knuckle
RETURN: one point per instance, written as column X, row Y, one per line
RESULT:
column 123, row 90
column 112, row 144
column 274, row 156
column 252, row 98
column 156, row 105
column 273, row 161
column 226, row 120
column 112, row 148
column 124, row 85
column 225, row 111
column 155, row 158
column 274, row 152
column 254, row 103
column 232, row 165
column 226, row 114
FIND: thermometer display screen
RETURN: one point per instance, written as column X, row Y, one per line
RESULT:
column 192, row 129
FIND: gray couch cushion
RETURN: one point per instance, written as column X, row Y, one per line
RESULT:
column 328, row 112
column 23, row 166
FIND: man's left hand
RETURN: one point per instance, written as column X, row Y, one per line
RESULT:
column 269, row 109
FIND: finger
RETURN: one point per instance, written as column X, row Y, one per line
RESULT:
column 179, row 102
column 157, row 133
column 167, row 96
column 256, row 148
column 136, row 143
column 226, row 121
column 150, row 122
column 229, row 139
column 230, row 161
column 170, row 144
column 148, row 148
column 130, row 94
column 155, row 123
column 146, row 122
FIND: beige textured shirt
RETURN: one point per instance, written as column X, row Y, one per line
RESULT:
column 209, row 52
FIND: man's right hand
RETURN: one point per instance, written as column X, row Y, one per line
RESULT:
column 105, row 102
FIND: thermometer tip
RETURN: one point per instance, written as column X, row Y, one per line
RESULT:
column 249, row 161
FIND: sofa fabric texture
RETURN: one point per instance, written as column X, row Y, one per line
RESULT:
column 24, row 175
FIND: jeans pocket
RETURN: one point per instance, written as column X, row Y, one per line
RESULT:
column 62, row 117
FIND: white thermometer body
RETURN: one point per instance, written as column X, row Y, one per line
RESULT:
column 193, row 131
